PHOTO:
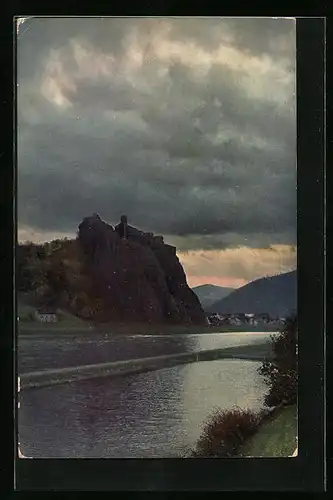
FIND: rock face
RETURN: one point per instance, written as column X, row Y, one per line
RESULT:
column 138, row 276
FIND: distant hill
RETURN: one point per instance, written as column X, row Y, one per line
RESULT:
column 275, row 295
column 208, row 294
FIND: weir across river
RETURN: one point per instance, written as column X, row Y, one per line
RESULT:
column 47, row 377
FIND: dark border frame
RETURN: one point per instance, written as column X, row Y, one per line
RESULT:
column 304, row 473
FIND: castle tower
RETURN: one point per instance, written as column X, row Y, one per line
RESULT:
column 123, row 225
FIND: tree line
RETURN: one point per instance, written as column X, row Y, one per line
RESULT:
column 54, row 274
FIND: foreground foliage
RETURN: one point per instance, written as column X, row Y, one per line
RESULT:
column 54, row 275
column 281, row 374
column 225, row 432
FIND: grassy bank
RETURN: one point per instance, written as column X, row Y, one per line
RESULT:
column 243, row 434
column 276, row 437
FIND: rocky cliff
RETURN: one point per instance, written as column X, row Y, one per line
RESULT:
column 137, row 275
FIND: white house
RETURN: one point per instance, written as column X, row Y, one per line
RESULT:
column 46, row 316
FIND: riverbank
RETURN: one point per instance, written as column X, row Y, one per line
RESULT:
column 270, row 433
column 276, row 436
column 242, row 433
column 81, row 328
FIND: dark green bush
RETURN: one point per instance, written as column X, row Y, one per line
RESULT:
column 281, row 374
column 225, row 432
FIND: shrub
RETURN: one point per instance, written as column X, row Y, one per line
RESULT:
column 225, row 432
column 27, row 318
column 281, row 373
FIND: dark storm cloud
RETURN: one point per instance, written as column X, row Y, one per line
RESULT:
column 115, row 116
column 254, row 36
column 264, row 35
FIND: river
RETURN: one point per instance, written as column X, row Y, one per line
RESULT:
column 155, row 414
column 43, row 352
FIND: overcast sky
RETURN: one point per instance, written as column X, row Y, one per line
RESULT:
column 186, row 125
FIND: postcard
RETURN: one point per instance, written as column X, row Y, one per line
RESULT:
column 157, row 246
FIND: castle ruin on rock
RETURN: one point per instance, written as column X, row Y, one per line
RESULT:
column 138, row 275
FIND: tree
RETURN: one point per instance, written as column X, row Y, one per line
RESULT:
column 281, row 374
column 56, row 276
column 30, row 268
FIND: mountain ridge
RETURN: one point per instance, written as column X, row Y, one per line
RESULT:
column 208, row 294
column 275, row 295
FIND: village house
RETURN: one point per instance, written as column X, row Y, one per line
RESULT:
column 244, row 319
column 46, row 315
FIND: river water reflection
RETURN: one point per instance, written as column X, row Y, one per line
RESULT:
column 155, row 414
column 45, row 352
